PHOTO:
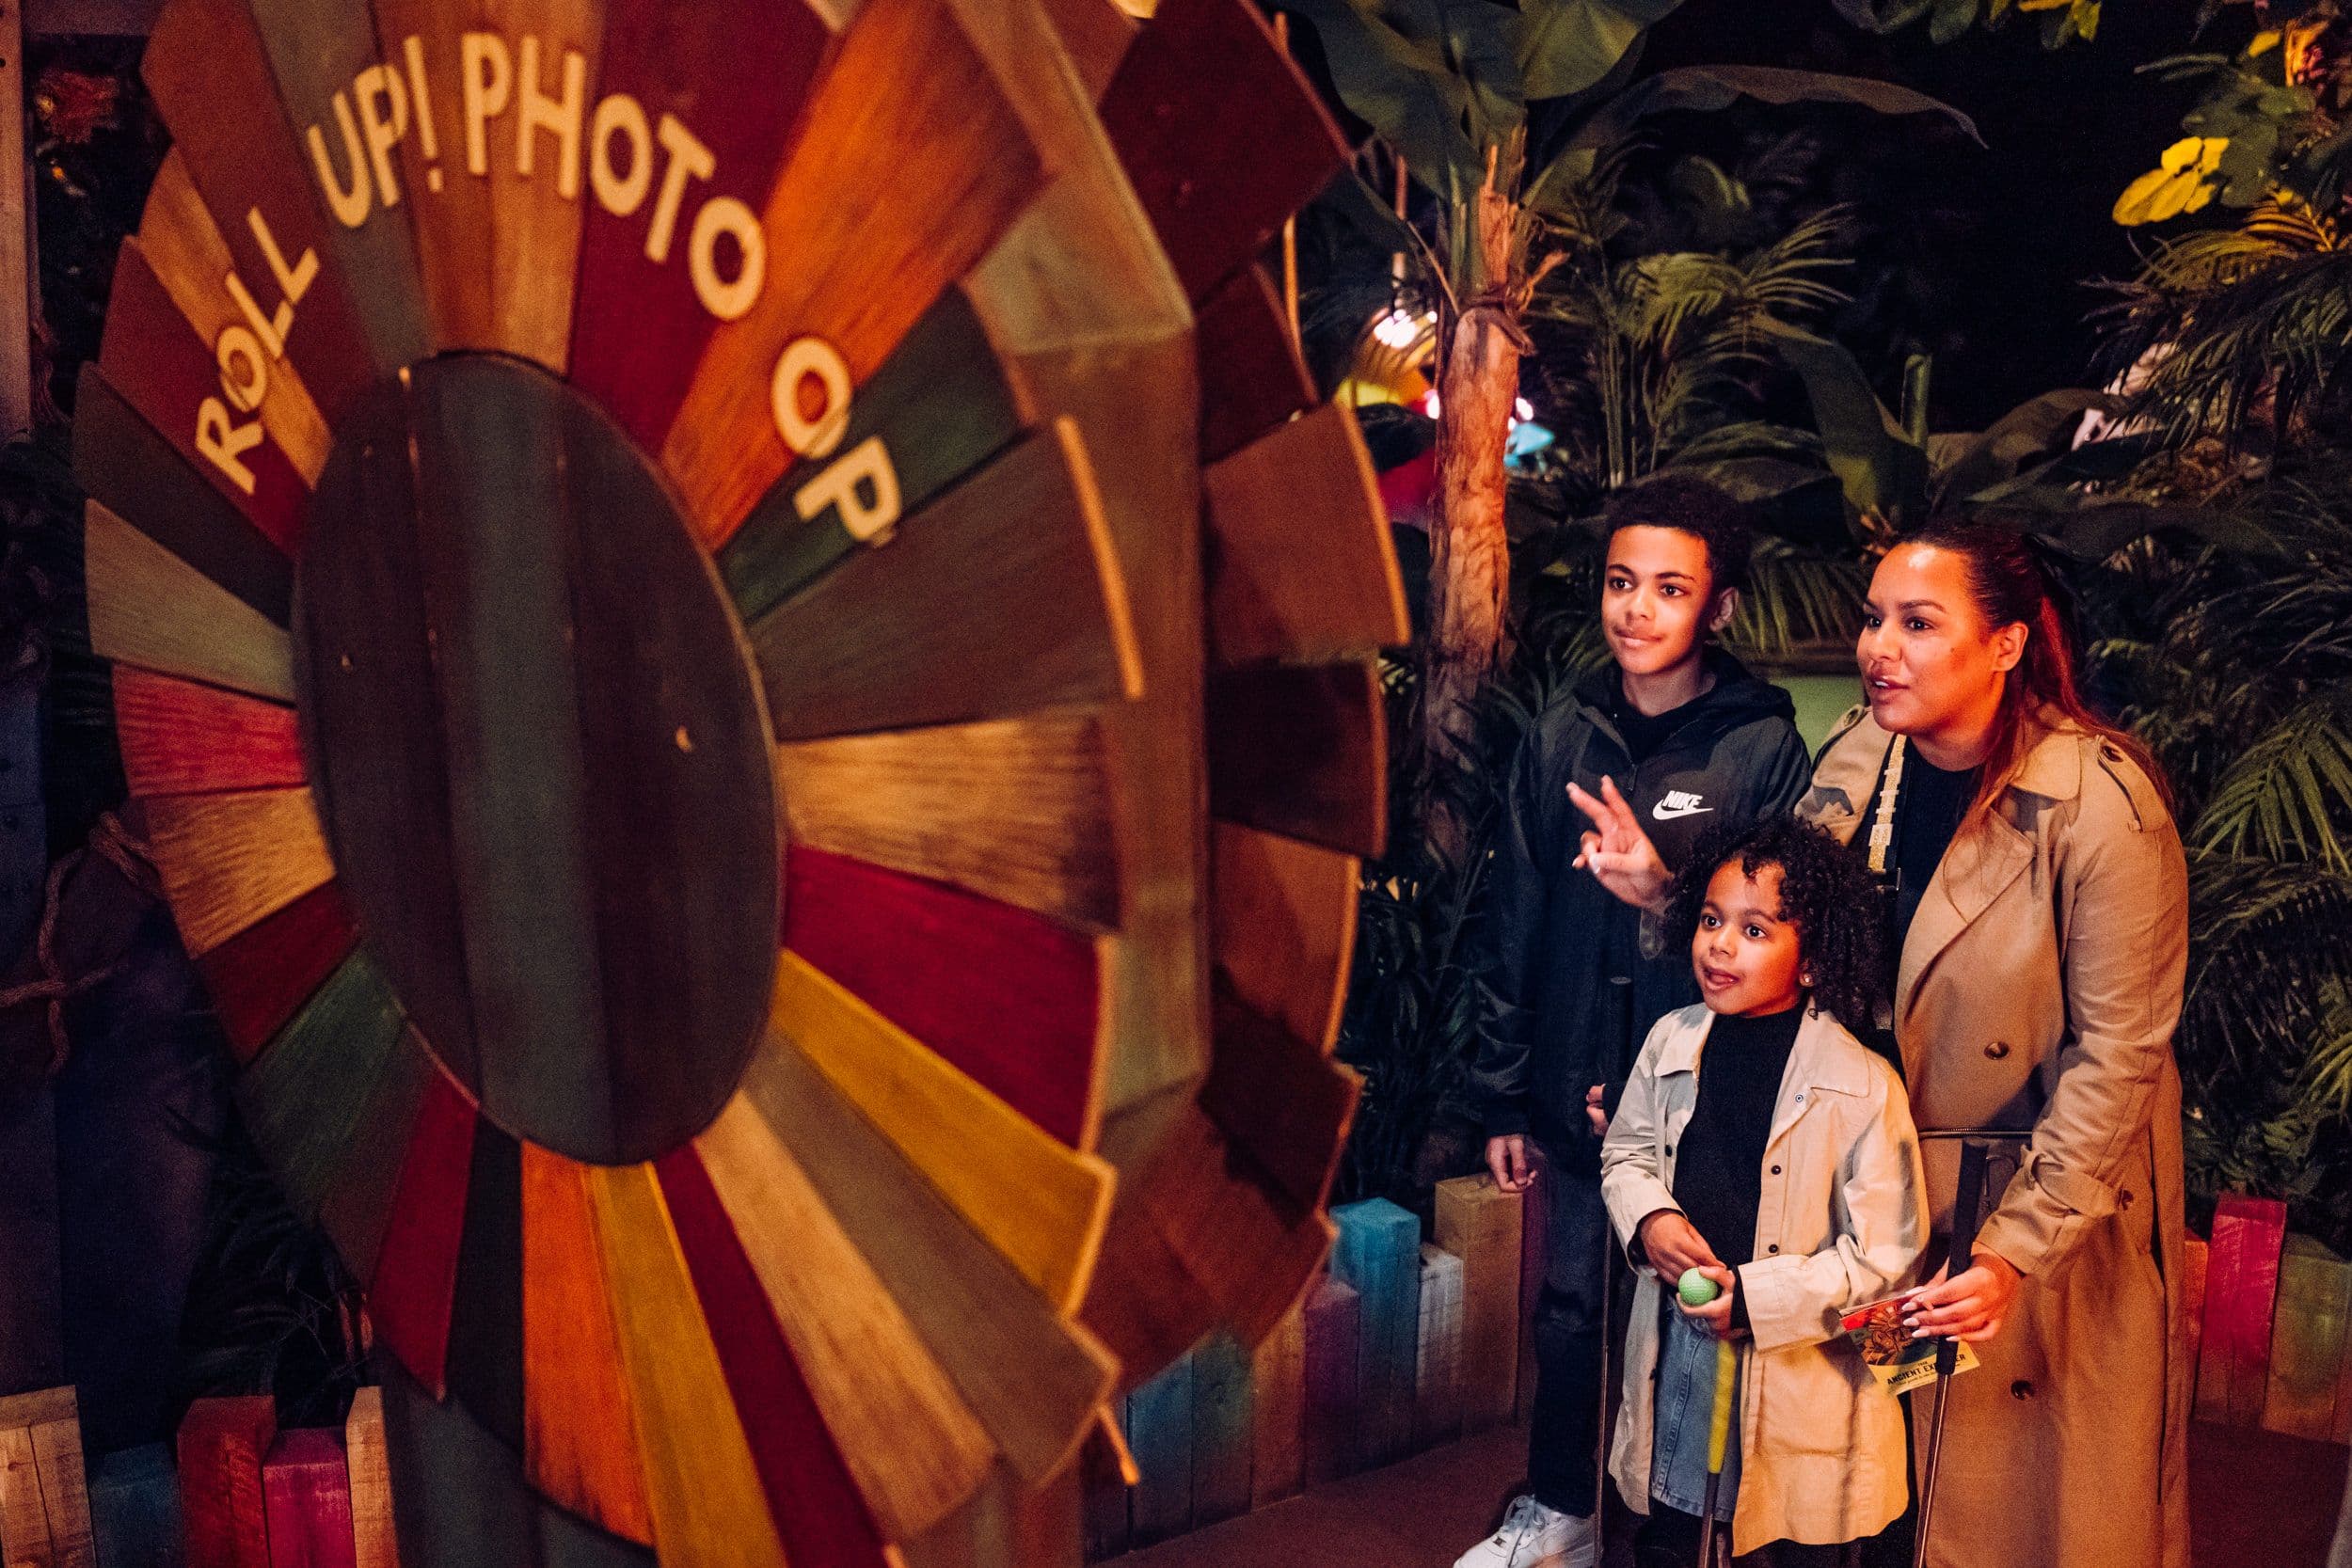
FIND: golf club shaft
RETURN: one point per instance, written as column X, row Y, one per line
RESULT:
column 1967, row 1199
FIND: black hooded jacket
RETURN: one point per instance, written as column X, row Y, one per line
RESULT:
column 1575, row 995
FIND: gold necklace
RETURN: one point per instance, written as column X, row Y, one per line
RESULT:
column 1883, row 825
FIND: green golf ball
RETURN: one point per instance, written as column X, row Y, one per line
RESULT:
column 1697, row 1289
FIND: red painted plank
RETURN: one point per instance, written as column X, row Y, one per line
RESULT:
column 1334, row 1390
column 2241, row 1290
column 180, row 738
column 155, row 358
column 1251, row 376
column 221, row 1505
column 1221, row 136
column 823, row 1520
column 1008, row 997
column 259, row 977
column 638, row 326
column 309, row 1488
column 416, row 1269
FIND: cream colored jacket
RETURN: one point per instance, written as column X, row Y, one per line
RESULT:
column 1842, row 1220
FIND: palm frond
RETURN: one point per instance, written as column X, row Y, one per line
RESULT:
column 1796, row 598
column 2290, row 796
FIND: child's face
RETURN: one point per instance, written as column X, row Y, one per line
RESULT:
column 1657, row 598
column 1745, row 956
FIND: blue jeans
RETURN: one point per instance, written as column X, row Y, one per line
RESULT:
column 1687, row 1359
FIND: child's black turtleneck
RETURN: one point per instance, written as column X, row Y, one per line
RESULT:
column 1719, row 1167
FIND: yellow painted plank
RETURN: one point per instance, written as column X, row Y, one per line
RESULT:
column 912, row 1444
column 1016, row 810
column 708, row 1510
column 149, row 608
column 1040, row 1203
column 229, row 859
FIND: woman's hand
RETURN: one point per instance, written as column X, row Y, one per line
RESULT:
column 1672, row 1245
column 1715, row 1317
column 1968, row 1306
column 1618, row 851
column 1506, row 1158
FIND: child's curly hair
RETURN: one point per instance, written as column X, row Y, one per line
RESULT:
column 1825, row 891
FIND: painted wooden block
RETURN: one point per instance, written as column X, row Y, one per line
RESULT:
column 2308, row 1341
column 306, row 1095
column 1159, row 1431
column 228, row 860
column 222, row 1444
column 1251, row 376
column 1437, row 1354
column 1378, row 1253
column 1223, row 1429
column 149, row 608
column 486, row 1323
column 307, row 1487
column 135, row 1509
column 44, row 1495
column 1283, row 918
column 414, row 1285
column 2241, row 1288
column 1332, row 1414
column 2196, row 1258
column 1534, row 1264
column 358, row 1206
column 1480, row 1223
column 1278, row 1391
column 374, row 1544
column 182, row 739
column 1281, row 1100
column 1295, row 749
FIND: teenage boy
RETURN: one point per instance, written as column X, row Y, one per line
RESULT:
column 1689, row 738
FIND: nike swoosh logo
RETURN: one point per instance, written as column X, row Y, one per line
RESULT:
column 1667, row 813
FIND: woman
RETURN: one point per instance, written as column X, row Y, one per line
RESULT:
column 2040, row 911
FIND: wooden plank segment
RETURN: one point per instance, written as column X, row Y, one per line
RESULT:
column 910, row 1442
column 1300, row 573
column 229, row 859
column 374, row 1544
column 357, row 1206
column 182, row 739
column 1334, row 1411
column 824, row 1519
column 1107, row 1522
column 459, row 1499
column 702, row 1484
column 1281, row 1098
column 2195, row 1256
column 1479, row 1223
column 306, row 1484
column 1159, row 1431
column 2241, row 1288
column 1299, row 751
column 1251, row 376
column 258, row 977
column 1221, row 133
column 221, row 1444
column 915, row 634
column 57, row 1460
column 485, row 1326
column 133, row 471
column 1222, row 1430
column 414, row 1285
column 169, row 376
column 1036, row 1201
column 1437, row 1351
column 211, row 78
column 737, row 91
column 44, row 1495
column 2307, row 1337
column 940, row 405
column 1033, row 1379
column 191, row 260
column 149, row 608
column 496, row 249
column 1378, row 1253
column 1015, row 810
column 23, row 1522
column 38, row 1407
column 1006, row 996
column 1282, row 928
column 1278, row 1391
column 304, row 1097
column 912, row 166
column 579, row 1426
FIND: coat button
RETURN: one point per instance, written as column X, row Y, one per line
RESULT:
column 1774, row 1248
column 2125, row 1200
column 2021, row 1389
column 1998, row 1050
column 1775, row 1170
column 1670, row 1151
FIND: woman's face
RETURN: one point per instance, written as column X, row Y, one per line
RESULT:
column 1931, row 666
column 1658, row 599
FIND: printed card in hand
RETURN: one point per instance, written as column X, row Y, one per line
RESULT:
column 1899, row 1362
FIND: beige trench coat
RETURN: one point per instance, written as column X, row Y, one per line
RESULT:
column 1842, row 1220
column 2038, row 992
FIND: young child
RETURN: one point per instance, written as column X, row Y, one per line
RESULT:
column 1677, row 728
column 1760, row 1143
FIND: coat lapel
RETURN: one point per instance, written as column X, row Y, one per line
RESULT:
column 1814, row 1062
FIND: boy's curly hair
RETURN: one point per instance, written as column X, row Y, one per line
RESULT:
column 1825, row 891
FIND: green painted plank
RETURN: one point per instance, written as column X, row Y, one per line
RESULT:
column 303, row 1096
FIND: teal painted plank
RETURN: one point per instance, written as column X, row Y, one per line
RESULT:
column 1159, row 1433
column 303, row 1097
column 1222, row 1430
column 1379, row 1252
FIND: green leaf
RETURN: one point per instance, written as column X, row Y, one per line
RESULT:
column 1403, row 87
column 1567, row 45
column 1708, row 87
column 2038, row 428
column 1483, row 40
column 1952, row 18
column 1890, row 18
column 1882, row 473
column 2288, row 794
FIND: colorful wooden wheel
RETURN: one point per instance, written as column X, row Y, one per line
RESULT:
column 669, row 568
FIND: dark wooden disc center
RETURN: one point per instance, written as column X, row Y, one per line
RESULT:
column 539, row 750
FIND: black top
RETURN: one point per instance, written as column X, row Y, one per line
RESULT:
column 1643, row 733
column 1929, row 806
column 1719, row 1167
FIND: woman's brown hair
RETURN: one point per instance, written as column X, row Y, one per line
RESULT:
column 2008, row 585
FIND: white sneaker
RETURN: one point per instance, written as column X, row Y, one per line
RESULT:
column 1534, row 1536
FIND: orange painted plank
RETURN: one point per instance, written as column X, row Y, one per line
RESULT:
column 229, row 859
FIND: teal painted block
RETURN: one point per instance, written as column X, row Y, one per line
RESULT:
column 1159, row 1433
column 1223, row 1431
column 135, row 1509
column 1379, row 1253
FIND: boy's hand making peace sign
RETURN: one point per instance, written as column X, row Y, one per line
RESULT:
column 1618, row 852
